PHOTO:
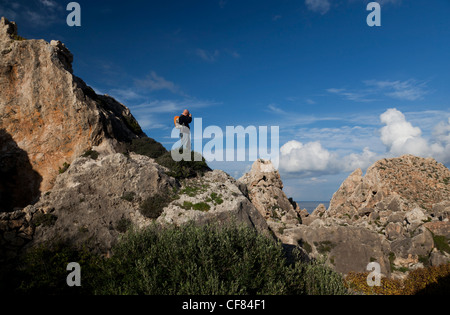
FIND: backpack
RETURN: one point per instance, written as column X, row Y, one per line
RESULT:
column 176, row 121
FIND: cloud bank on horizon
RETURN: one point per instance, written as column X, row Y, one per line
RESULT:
column 398, row 135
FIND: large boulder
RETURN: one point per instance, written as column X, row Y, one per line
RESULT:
column 265, row 190
column 94, row 201
column 345, row 248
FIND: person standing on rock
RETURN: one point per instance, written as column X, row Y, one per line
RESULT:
column 185, row 131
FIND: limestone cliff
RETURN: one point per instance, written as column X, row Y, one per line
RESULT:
column 51, row 114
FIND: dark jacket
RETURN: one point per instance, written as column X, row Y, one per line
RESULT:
column 185, row 121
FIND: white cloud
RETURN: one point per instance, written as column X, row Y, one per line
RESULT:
column 156, row 83
column 401, row 137
column 442, row 132
column 357, row 96
column 312, row 159
column 49, row 3
column 319, row 6
column 296, row 157
column 207, row 56
column 397, row 137
column 276, row 17
column 409, row 90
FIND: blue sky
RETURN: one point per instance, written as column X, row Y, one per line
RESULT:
column 343, row 94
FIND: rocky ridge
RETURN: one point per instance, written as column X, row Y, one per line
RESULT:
column 51, row 114
column 397, row 214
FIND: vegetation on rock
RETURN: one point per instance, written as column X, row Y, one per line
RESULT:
column 188, row 260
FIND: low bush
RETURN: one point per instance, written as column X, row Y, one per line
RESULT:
column 44, row 219
column 211, row 260
column 148, row 147
column 64, row 168
column 91, row 154
column 184, row 169
column 153, row 206
column 189, row 260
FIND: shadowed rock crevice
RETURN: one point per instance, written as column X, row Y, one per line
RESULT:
column 19, row 182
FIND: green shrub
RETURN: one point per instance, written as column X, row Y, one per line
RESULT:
column 184, row 169
column 441, row 243
column 128, row 196
column 43, row 271
column 188, row 260
column 18, row 37
column 201, row 206
column 153, row 206
column 64, row 168
column 91, row 154
column 123, row 225
column 147, row 146
column 211, row 260
column 133, row 125
column 217, row 199
column 44, row 219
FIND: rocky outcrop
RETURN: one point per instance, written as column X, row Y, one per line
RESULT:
column 400, row 208
column 50, row 114
column 95, row 201
column 265, row 190
column 392, row 185
column 345, row 248
column 213, row 197
column 397, row 214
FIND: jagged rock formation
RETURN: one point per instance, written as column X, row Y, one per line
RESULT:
column 400, row 184
column 265, row 190
column 397, row 214
column 50, row 114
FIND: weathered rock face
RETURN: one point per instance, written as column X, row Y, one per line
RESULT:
column 265, row 190
column 400, row 207
column 94, row 200
column 392, row 185
column 50, row 114
column 345, row 248
column 212, row 197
